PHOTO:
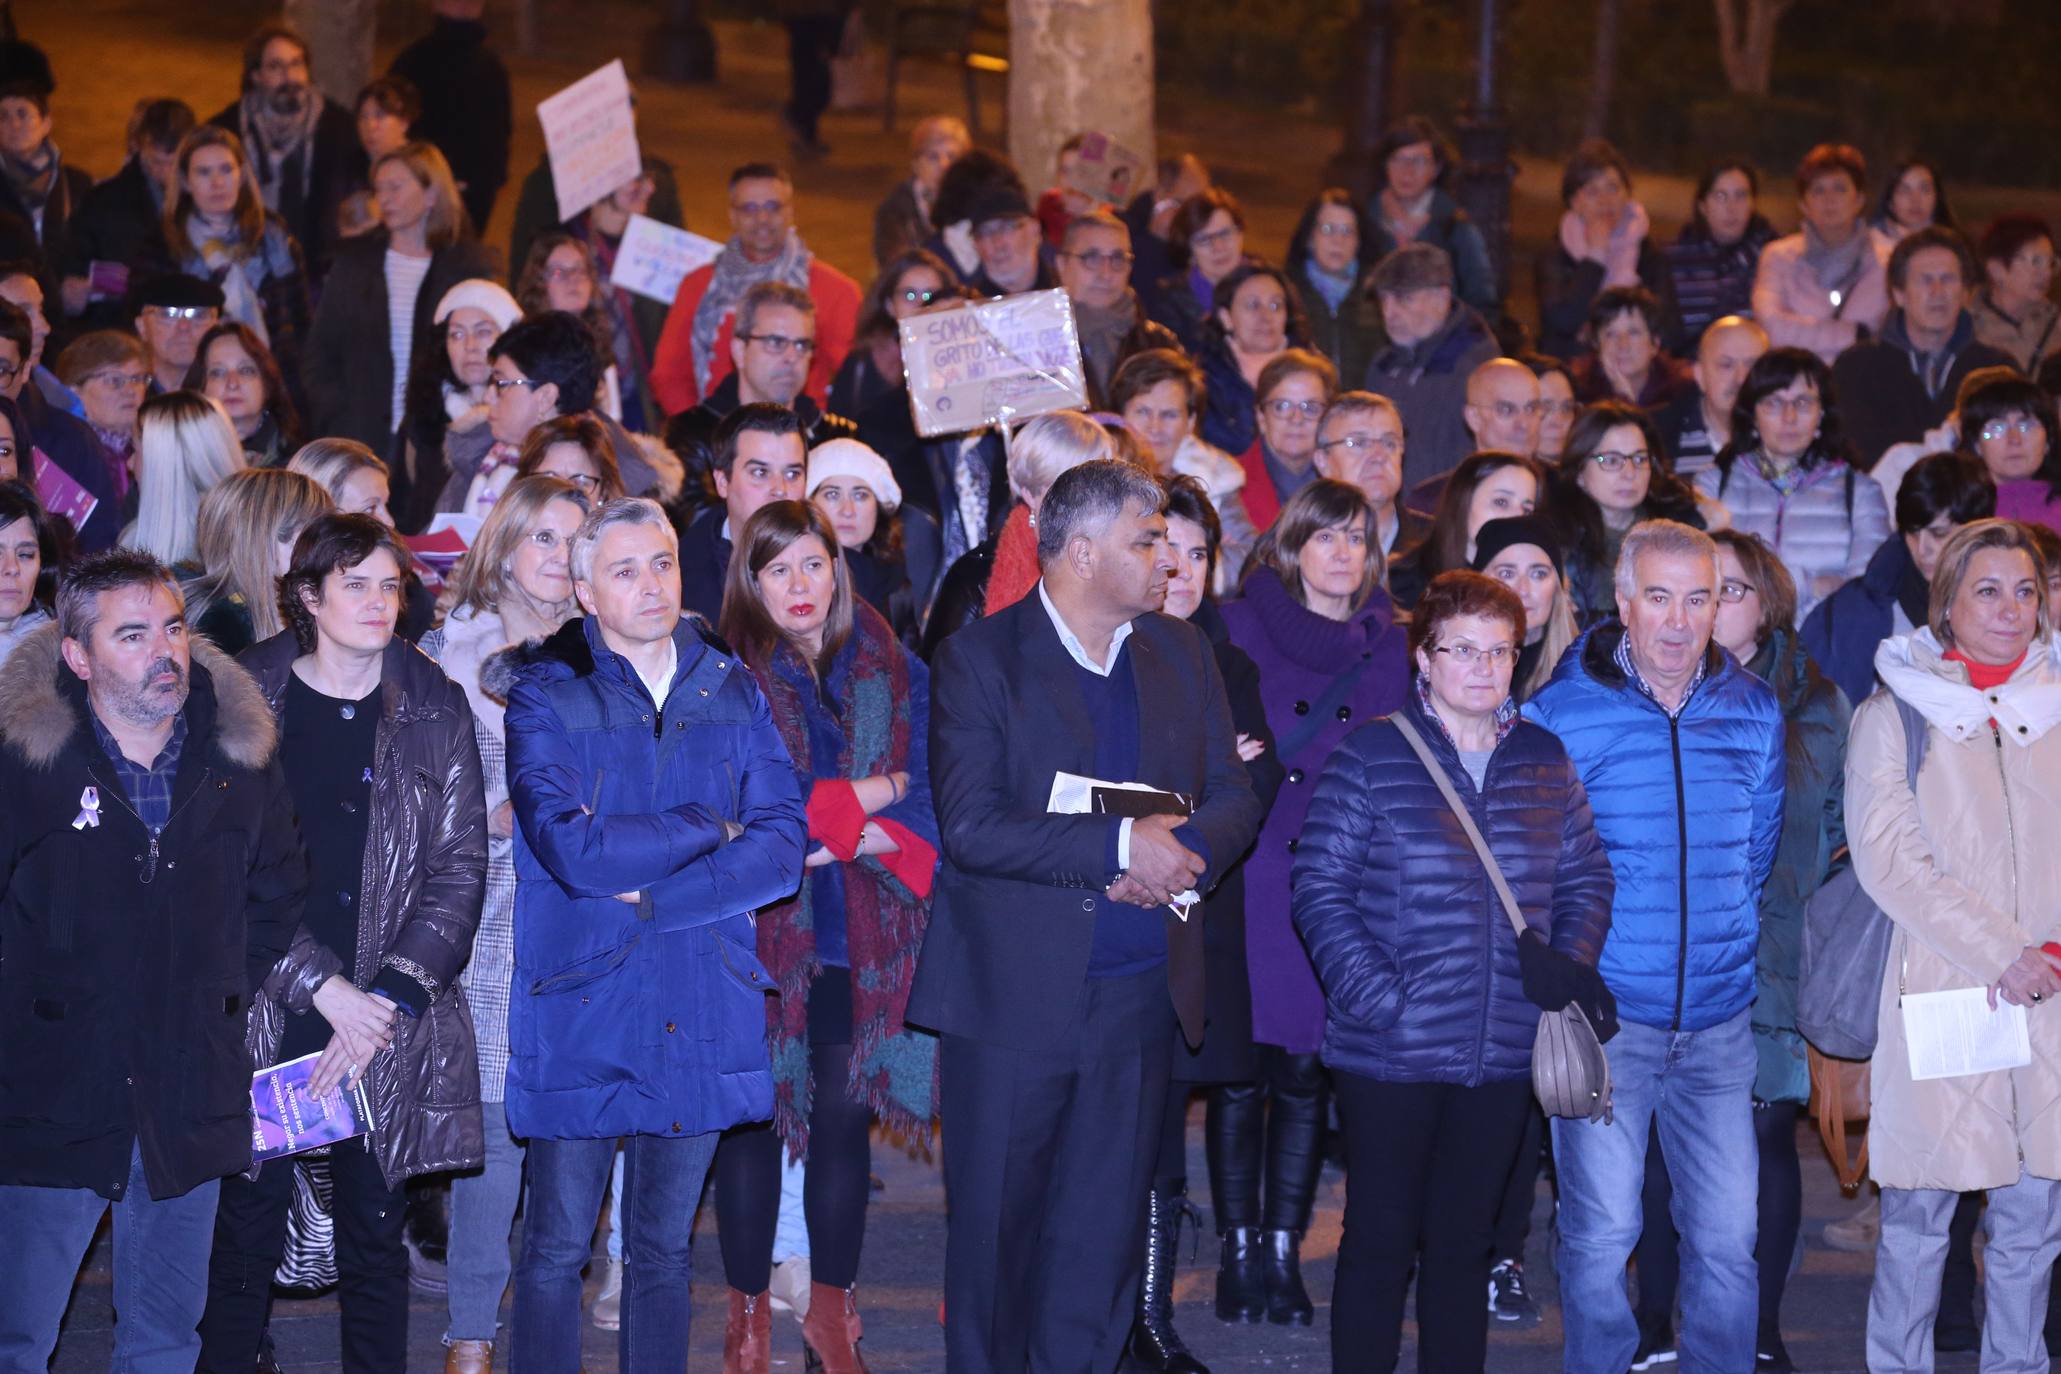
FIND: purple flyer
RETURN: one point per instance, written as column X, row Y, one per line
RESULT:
column 286, row 1120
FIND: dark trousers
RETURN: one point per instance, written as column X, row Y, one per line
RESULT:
column 1048, row 1157
column 834, row 1189
column 1780, row 1217
column 371, row 1264
column 1520, row 1193
column 811, row 43
column 1416, row 1155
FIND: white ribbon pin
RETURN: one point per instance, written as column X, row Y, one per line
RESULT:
column 89, row 809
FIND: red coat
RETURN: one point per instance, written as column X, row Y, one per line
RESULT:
column 1262, row 502
column 672, row 369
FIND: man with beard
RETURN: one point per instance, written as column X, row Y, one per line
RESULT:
column 150, row 876
column 302, row 145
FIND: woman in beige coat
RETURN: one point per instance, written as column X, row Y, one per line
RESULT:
column 1969, row 873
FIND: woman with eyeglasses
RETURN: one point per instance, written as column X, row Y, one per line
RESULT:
column 1557, row 405
column 379, row 295
column 1291, row 395
column 1258, row 316
column 1489, row 485
column 1329, row 257
column 2009, row 424
column 446, row 430
column 1613, row 475
column 1604, row 241
column 514, row 587
column 1314, row 619
column 233, row 366
column 2012, row 310
column 1788, row 476
column 109, row 372
column 870, row 388
column 1414, row 205
column 1206, row 243
column 1431, row 1000
column 560, row 275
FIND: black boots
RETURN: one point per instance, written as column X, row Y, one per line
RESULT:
column 1288, row 1302
column 1241, row 1287
column 1155, row 1345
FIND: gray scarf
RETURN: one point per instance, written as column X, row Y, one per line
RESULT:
column 1836, row 269
column 734, row 275
column 1101, row 332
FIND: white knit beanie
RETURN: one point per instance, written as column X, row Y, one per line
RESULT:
column 850, row 458
column 490, row 298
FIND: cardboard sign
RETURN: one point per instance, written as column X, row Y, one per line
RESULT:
column 992, row 363
column 590, row 133
column 654, row 258
column 1105, row 169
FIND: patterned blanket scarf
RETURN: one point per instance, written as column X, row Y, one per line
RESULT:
column 734, row 275
column 894, row 1069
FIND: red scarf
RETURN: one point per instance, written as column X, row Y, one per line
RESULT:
column 1016, row 562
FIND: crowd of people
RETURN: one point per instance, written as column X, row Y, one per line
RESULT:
column 1360, row 673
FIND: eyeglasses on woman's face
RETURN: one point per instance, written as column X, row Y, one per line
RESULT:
column 1467, row 655
column 1618, row 462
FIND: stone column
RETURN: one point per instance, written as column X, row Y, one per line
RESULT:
column 1076, row 65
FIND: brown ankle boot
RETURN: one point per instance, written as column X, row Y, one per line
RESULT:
column 832, row 1329
column 748, row 1334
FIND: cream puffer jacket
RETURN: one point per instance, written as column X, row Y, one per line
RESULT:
column 1970, row 873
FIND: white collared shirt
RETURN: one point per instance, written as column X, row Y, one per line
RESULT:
column 662, row 682
column 1072, row 644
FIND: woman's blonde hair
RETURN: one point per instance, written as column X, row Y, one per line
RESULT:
column 249, row 212
column 1960, row 550
column 1561, row 631
column 185, row 445
column 1050, row 444
column 242, row 520
column 433, row 174
column 481, row 578
column 333, row 462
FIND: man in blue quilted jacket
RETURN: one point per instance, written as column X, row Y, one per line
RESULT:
column 656, row 808
column 1680, row 749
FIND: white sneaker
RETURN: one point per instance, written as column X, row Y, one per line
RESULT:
column 607, row 1312
column 790, row 1287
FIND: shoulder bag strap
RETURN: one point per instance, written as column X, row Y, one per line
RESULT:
column 1481, row 849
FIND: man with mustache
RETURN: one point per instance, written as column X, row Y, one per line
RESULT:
column 150, row 875
column 1681, row 751
column 302, row 145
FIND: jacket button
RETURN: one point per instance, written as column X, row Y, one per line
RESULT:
column 1345, row 713
column 676, row 1127
column 1087, row 904
column 645, row 719
column 670, row 1028
column 1302, row 708
column 343, row 899
column 1291, row 846
column 704, row 691
column 721, row 664
column 1295, row 775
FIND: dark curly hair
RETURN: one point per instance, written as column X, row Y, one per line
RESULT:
column 1771, row 372
column 326, row 545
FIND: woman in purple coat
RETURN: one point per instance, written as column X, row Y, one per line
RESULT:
column 1316, row 621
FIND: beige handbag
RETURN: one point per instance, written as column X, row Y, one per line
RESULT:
column 1569, row 1072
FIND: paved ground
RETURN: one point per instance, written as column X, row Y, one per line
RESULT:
column 1823, row 1314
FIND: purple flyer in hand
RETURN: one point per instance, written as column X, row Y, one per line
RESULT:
column 286, row 1119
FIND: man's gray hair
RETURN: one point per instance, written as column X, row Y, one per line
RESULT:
column 624, row 510
column 1084, row 499
column 78, row 591
column 765, row 293
column 1668, row 538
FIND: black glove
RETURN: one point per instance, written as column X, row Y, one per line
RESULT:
column 1553, row 979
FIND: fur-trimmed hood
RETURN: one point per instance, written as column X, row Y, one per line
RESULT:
column 40, row 707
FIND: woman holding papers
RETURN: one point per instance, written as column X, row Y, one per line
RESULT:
column 1966, row 869
column 853, row 707
column 1314, row 618
column 1431, row 999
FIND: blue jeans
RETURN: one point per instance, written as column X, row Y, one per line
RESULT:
column 662, row 1181
column 1698, row 1086
column 482, row 1214
column 160, row 1272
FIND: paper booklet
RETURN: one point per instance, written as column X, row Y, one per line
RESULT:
column 285, row 1119
column 1953, row 1033
column 1074, row 795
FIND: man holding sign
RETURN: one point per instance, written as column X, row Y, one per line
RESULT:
column 694, row 353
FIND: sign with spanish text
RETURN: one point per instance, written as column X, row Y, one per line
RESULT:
column 590, row 135
column 654, row 258
column 1104, row 169
column 993, row 363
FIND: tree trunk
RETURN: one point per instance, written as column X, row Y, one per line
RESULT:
column 1370, row 97
column 1746, row 42
column 1603, row 67
column 340, row 33
column 1076, row 66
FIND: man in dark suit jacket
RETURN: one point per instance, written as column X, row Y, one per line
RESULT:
column 1051, row 951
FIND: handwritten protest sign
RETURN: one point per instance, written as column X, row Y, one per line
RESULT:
column 986, row 364
column 590, row 133
column 1104, row 169
column 655, row 257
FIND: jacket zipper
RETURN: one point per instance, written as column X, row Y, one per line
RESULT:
column 2010, row 826
column 1674, row 740
column 150, row 856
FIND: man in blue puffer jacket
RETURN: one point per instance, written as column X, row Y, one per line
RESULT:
column 1680, row 749
column 655, row 810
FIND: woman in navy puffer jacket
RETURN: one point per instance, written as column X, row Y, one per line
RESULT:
column 1431, row 1000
